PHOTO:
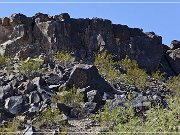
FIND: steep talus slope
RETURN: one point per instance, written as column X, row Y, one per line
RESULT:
column 29, row 36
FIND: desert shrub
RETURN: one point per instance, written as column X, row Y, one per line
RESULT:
column 5, row 62
column 109, row 119
column 123, row 120
column 2, row 60
column 30, row 66
column 10, row 127
column 64, row 58
column 134, row 75
column 49, row 115
column 128, row 64
column 158, row 75
column 72, row 97
column 174, row 83
column 104, row 63
column 137, row 77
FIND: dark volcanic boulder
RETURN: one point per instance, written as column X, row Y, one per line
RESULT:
column 84, row 75
column 94, row 96
column 14, row 104
column 6, row 91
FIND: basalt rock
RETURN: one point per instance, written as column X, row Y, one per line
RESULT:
column 30, row 36
column 170, row 62
column 84, row 75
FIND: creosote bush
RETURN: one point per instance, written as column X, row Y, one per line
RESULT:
column 128, row 64
column 137, row 77
column 72, row 97
column 124, row 120
column 158, row 75
column 2, row 60
column 48, row 116
column 64, row 58
column 10, row 127
column 174, row 83
column 105, row 65
column 30, row 66
column 134, row 75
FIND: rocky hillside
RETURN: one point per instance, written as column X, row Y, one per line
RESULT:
column 30, row 36
column 76, row 76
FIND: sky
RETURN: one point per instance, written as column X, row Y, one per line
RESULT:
column 161, row 18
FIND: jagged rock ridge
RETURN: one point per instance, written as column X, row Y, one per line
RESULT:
column 29, row 36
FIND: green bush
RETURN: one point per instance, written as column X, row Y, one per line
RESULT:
column 128, row 64
column 6, row 62
column 137, row 77
column 64, row 58
column 105, row 65
column 10, row 127
column 72, row 97
column 109, row 119
column 174, row 83
column 48, row 116
column 158, row 75
column 123, row 120
column 30, row 66
column 134, row 76
column 2, row 60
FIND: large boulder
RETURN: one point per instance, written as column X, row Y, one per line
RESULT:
column 15, row 104
column 84, row 75
column 6, row 91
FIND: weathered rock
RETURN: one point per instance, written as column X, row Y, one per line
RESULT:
column 14, row 104
column 17, row 19
column 147, row 49
column 39, row 82
column 5, row 21
column 34, row 97
column 118, row 101
column 90, row 107
column 30, row 130
column 141, row 101
column 6, row 91
column 94, row 96
column 175, row 44
column 75, row 112
column 64, row 108
column 27, row 87
column 62, row 17
column 53, row 79
column 40, row 17
column 84, row 75
column 33, row 109
column 173, row 58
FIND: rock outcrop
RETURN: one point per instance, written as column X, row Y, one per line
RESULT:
column 29, row 36
column 170, row 62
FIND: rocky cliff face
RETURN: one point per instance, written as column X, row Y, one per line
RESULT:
column 30, row 36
